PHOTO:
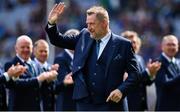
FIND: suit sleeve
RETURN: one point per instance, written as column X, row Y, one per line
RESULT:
column 21, row 83
column 163, row 80
column 133, row 72
column 62, row 72
column 145, row 79
column 57, row 39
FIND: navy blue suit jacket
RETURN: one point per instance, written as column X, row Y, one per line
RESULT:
column 167, row 87
column 24, row 92
column 64, row 99
column 137, row 100
column 121, row 59
column 3, row 105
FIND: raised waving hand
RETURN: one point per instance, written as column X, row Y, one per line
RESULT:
column 56, row 11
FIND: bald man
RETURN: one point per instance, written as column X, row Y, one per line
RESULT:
column 41, row 53
column 168, row 78
column 24, row 90
column 137, row 101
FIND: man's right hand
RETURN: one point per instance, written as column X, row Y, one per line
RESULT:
column 56, row 11
column 15, row 71
column 49, row 76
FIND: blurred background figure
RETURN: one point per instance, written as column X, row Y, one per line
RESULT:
column 64, row 100
column 168, row 78
column 41, row 53
column 137, row 101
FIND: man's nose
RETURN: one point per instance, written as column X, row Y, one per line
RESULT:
column 89, row 27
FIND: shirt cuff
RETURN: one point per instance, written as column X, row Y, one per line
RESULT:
column 150, row 77
column 15, row 78
column 6, row 76
column 50, row 25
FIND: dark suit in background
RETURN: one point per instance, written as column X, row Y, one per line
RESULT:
column 64, row 101
column 24, row 92
column 167, row 86
column 168, row 77
column 137, row 101
column 3, row 105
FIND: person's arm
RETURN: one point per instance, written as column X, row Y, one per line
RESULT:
column 13, row 71
column 55, row 37
column 133, row 77
column 32, row 82
column 62, row 72
column 133, row 72
column 149, row 74
column 165, row 81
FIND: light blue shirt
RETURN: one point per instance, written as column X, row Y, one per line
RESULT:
column 103, row 43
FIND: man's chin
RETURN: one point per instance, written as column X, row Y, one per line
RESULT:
column 93, row 37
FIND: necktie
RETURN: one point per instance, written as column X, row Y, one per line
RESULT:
column 175, row 67
column 29, row 67
column 44, row 69
column 97, row 47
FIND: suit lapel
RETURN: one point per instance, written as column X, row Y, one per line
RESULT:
column 167, row 65
column 112, row 49
column 83, row 57
column 17, row 60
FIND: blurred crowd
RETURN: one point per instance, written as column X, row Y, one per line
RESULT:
column 150, row 19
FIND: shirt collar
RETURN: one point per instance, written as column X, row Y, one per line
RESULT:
column 22, row 60
column 106, row 37
column 44, row 65
column 168, row 58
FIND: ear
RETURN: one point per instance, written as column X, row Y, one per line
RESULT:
column 104, row 24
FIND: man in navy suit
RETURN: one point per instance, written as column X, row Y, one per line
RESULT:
column 64, row 101
column 137, row 101
column 100, row 61
column 14, row 71
column 24, row 90
column 41, row 53
column 168, row 77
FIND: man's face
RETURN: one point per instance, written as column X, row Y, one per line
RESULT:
column 24, row 49
column 41, row 52
column 170, row 47
column 94, row 26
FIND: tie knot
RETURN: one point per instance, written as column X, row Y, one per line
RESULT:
column 26, row 63
column 98, row 41
column 45, row 69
